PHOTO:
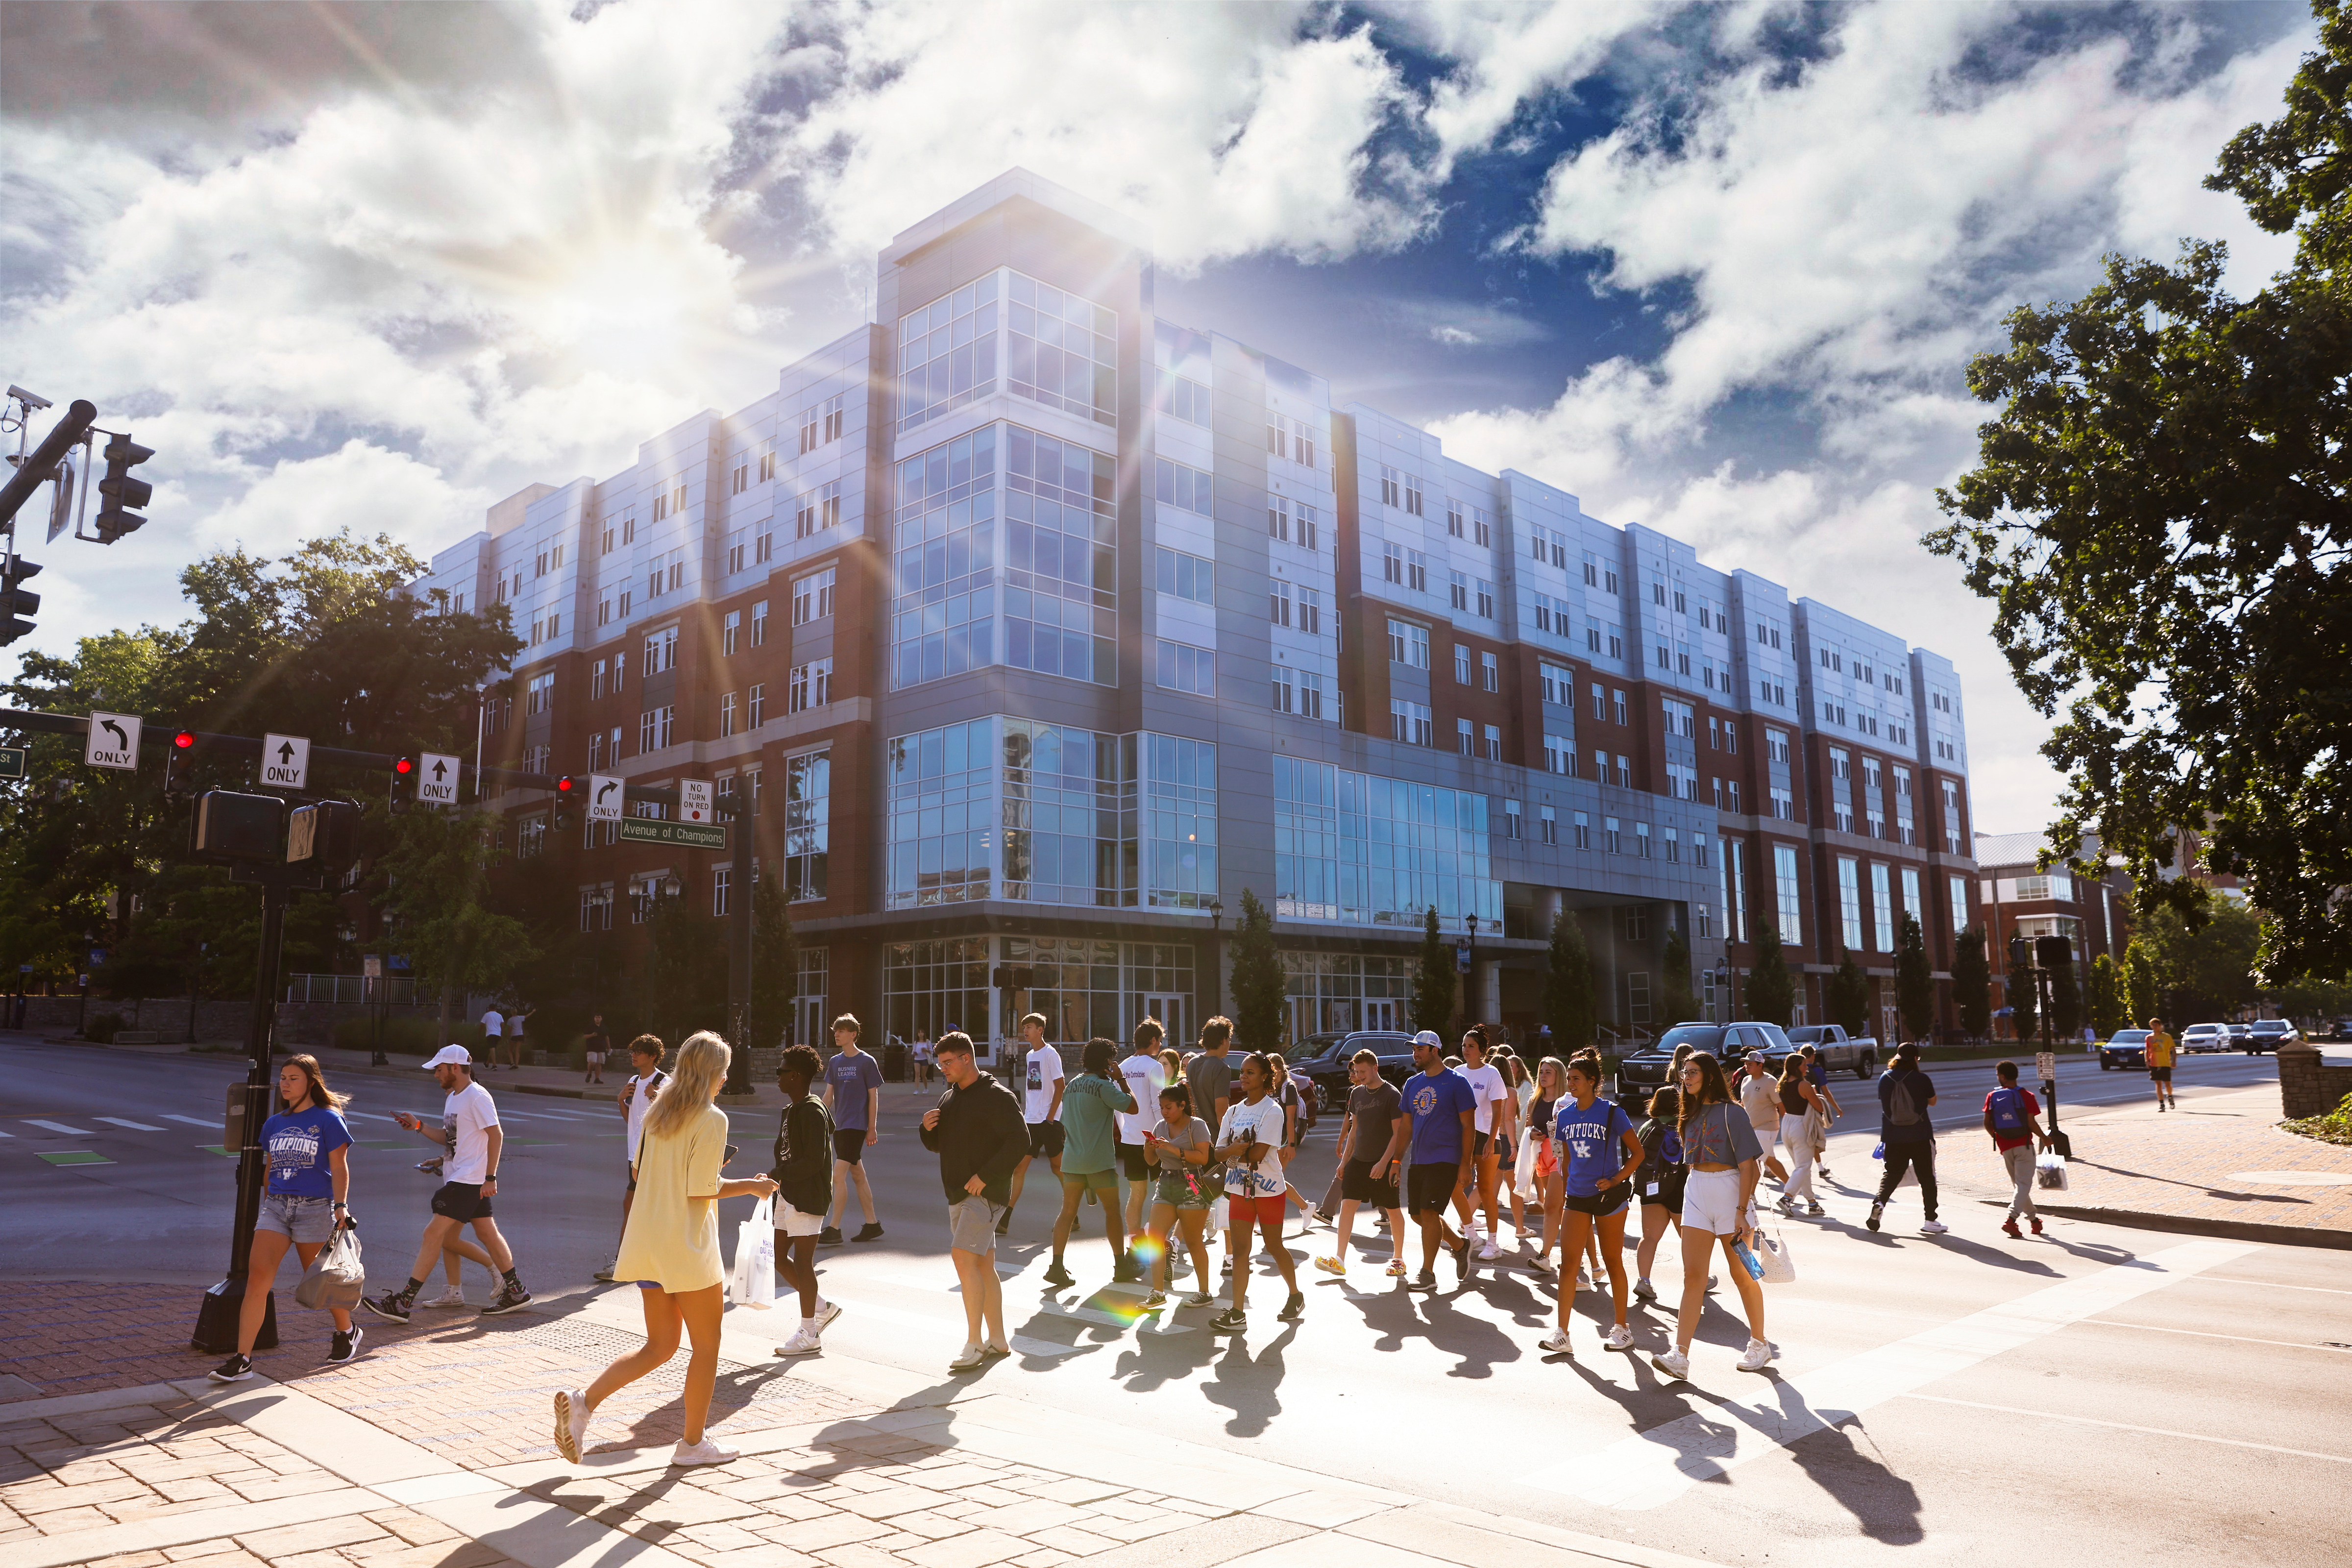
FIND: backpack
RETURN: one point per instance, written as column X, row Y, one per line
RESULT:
column 1902, row 1109
column 2007, row 1108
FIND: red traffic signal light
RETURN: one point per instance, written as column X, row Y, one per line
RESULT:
column 567, row 786
column 184, row 740
column 402, row 767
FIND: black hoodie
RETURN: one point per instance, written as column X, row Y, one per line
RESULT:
column 981, row 1133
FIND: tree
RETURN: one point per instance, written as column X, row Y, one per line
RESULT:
column 438, row 868
column 2203, row 971
column 2065, row 1003
column 685, row 977
column 2106, row 997
column 1677, row 1000
column 2024, row 1005
column 1972, row 983
column 1771, row 989
column 1915, row 982
column 2144, row 993
column 2159, row 514
column 1846, row 996
column 1260, row 984
column 775, row 965
column 1570, row 1006
column 1433, row 986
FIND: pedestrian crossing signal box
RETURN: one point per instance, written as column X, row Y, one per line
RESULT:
column 231, row 827
column 325, row 836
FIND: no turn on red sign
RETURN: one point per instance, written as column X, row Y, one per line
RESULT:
column 694, row 800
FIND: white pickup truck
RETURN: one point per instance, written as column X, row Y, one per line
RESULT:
column 1836, row 1049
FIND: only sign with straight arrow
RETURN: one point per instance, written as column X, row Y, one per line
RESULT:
column 606, row 794
column 436, row 780
column 284, row 761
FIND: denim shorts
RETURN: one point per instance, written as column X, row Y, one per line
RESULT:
column 305, row 1220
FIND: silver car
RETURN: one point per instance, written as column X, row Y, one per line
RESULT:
column 2203, row 1037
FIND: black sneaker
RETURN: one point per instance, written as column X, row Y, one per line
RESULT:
column 1294, row 1309
column 1229, row 1321
column 1461, row 1260
column 829, row 1237
column 1125, row 1272
column 509, row 1298
column 391, row 1304
column 346, row 1346
column 1875, row 1210
column 1425, row 1280
column 237, row 1369
column 873, row 1232
column 1059, row 1277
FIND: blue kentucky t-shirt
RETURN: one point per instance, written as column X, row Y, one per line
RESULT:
column 296, row 1143
column 1590, row 1144
column 1435, row 1102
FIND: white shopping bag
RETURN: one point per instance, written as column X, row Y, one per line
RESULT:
column 2050, row 1174
column 754, row 1281
column 1772, row 1250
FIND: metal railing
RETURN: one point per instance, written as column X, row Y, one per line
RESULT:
column 352, row 990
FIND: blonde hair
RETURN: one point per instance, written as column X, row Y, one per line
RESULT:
column 693, row 1084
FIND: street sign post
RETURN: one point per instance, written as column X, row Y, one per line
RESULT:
column 113, row 742
column 285, row 761
column 694, row 800
column 437, row 779
column 686, row 834
column 604, row 797
column 2046, row 1064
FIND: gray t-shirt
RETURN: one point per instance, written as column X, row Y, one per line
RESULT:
column 1211, row 1080
column 1193, row 1134
column 1720, row 1135
column 1375, row 1108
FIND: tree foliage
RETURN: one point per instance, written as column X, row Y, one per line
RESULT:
column 1678, row 1002
column 1260, row 986
column 775, row 965
column 2065, row 1003
column 2143, row 991
column 2103, row 997
column 1432, row 983
column 1570, row 1004
column 438, row 864
column 1972, row 983
column 2203, row 971
column 2159, row 514
column 1915, row 982
column 1771, row 989
column 1846, row 996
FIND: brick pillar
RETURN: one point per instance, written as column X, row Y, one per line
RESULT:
column 2300, row 1090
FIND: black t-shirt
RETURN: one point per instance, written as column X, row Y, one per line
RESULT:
column 1921, row 1090
column 599, row 1044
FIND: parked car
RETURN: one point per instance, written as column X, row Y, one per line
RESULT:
column 1322, row 1061
column 1645, row 1071
column 2238, row 1033
column 2268, row 1035
column 1835, row 1049
column 2201, row 1037
column 2123, row 1048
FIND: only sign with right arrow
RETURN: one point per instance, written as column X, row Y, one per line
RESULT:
column 604, row 797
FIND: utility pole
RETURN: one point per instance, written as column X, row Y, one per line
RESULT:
column 737, row 806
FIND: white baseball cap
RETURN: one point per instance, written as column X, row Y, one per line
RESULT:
column 1428, row 1037
column 450, row 1056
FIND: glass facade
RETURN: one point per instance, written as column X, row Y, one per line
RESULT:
column 1331, row 991
column 1357, row 847
column 1179, row 823
column 1068, row 814
column 1059, row 350
column 943, row 803
column 947, row 351
column 808, row 809
column 1061, row 599
column 946, row 561
column 930, row 987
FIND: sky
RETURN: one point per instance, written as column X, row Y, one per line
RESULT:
column 1717, row 269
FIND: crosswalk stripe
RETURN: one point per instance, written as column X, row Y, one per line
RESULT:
column 134, row 1126
column 195, row 1121
column 943, row 1327
column 1143, row 1323
column 60, row 1127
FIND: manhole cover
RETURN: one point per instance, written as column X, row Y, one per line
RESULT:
column 2295, row 1178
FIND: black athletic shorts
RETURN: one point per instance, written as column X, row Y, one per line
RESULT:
column 461, row 1201
column 1607, row 1200
column 1044, row 1140
column 1429, row 1188
column 1131, row 1162
column 1357, row 1185
column 1478, row 1146
column 849, row 1144
column 2160, row 1075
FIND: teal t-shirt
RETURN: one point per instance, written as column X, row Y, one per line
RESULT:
column 1089, row 1126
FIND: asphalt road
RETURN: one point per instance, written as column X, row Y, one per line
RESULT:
column 1966, row 1397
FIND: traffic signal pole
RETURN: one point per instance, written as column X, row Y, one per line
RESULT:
column 738, row 947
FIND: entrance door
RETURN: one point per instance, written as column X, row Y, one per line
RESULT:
column 1169, row 1011
column 1379, row 1014
column 808, row 1024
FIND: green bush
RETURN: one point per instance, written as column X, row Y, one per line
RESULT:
column 407, row 1035
column 2335, row 1127
column 103, row 1027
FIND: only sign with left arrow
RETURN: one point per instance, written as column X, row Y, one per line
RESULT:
column 113, row 742
column 284, row 761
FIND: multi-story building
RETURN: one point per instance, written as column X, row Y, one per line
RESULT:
column 2019, row 899
column 1038, row 628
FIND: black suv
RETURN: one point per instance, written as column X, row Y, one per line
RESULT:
column 1322, row 1060
column 1645, row 1071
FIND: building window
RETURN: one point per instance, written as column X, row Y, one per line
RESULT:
column 722, row 879
column 1392, row 486
column 730, row 627
column 1409, row 643
column 1278, row 602
column 1784, row 884
column 1490, row 672
column 1550, row 824
column 725, row 714
column 809, row 685
column 1465, row 737
column 1392, row 562
column 1849, row 876
column 653, row 728
column 1511, row 819
column 1493, row 744
column 1411, row 722
column 1181, row 397
column 540, row 694
column 1461, row 665
column 1584, row 828
column 1310, row 694
column 1190, row 577
column 1188, row 489
column 1612, row 838
column 1641, row 840
column 755, row 705
column 1559, row 755
column 1881, row 906
column 808, row 788
column 767, row 462
column 1310, row 611
column 813, row 597
column 1180, row 667
column 1458, row 590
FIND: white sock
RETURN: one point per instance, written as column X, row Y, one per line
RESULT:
column 808, row 1325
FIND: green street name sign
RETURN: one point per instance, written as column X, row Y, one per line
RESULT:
column 12, row 761
column 692, row 834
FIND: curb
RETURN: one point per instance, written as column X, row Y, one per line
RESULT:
column 2184, row 1225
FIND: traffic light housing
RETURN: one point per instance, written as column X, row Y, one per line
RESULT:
column 568, row 790
column 18, row 604
column 403, row 771
column 325, row 836
column 2020, row 953
column 2054, row 951
column 232, row 826
column 118, row 514
column 184, row 745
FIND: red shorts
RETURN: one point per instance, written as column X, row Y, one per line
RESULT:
column 1266, row 1212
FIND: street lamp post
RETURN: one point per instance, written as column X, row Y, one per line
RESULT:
column 1216, row 956
column 1469, row 970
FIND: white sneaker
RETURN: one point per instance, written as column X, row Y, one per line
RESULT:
column 802, row 1343
column 1760, row 1355
column 1933, row 1227
column 703, row 1453
column 971, row 1356
column 1673, row 1363
column 1487, row 1251
column 1620, row 1338
column 455, row 1296
column 1555, row 1343
column 1305, row 1217
column 570, row 1423
column 1583, row 1280
column 826, row 1311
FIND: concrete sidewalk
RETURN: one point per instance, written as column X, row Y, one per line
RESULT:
column 432, row 1452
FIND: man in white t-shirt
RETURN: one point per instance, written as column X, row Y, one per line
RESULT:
column 1145, row 1074
column 1041, row 1108
column 1491, row 1118
column 635, row 1101
column 494, row 1035
column 469, row 1129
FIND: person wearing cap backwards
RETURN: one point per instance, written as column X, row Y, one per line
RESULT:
column 469, row 1129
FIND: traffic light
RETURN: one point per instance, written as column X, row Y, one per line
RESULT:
column 567, row 792
column 183, row 744
column 2020, row 953
column 403, row 771
column 18, row 604
column 118, row 514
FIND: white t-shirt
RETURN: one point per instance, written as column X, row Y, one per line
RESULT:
column 1044, row 1070
column 1263, row 1120
column 1487, row 1083
column 468, row 1117
column 1145, row 1076
column 641, row 1104
column 492, row 1024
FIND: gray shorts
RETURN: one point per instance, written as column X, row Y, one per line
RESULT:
column 305, row 1220
column 972, row 1225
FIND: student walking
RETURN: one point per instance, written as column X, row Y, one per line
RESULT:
column 1298, row 1116
column 307, row 1147
column 1209, row 1074
column 1802, row 1134
column 1491, row 1112
column 1831, row 1111
column 470, row 1130
column 1759, row 1096
column 1599, row 1156
column 1372, row 1139
column 593, row 1046
column 804, row 1175
column 1144, row 1076
column 1250, row 1143
column 977, row 1132
column 1904, row 1093
column 1442, row 1156
column 2161, row 1053
column 1177, row 1148
column 1090, row 1157
column 1539, row 1157
column 1725, row 1161
column 1660, row 1183
column 2009, row 1120
column 852, row 1098
column 671, row 1250
column 635, row 1101
column 1041, row 1107
column 494, row 1035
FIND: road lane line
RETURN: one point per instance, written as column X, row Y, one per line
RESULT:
column 134, row 1126
column 2203, row 1334
column 61, row 1127
column 2277, row 1284
column 204, row 1121
column 1652, row 1469
column 2127, row 1426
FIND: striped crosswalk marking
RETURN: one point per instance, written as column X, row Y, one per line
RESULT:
column 192, row 1121
column 134, row 1126
column 60, row 1127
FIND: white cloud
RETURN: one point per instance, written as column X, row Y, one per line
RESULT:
column 359, row 487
